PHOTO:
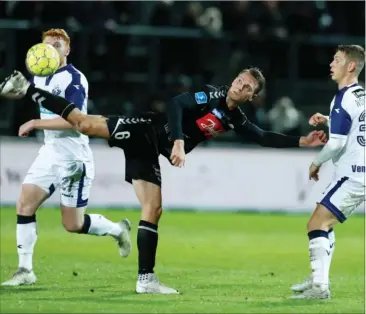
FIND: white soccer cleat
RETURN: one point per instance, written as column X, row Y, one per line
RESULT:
column 315, row 292
column 124, row 239
column 14, row 86
column 148, row 283
column 303, row 286
column 21, row 277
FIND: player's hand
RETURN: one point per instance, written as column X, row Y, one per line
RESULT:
column 314, row 139
column 314, row 172
column 178, row 154
column 317, row 119
column 25, row 128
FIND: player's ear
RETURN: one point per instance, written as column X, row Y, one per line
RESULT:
column 67, row 51
column 351, row 66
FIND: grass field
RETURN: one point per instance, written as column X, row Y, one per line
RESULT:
column 221, row 262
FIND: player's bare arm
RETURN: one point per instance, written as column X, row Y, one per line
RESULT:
column 39, row 124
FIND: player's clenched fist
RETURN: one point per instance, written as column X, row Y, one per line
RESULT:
column 178, row 154
column 317, row 119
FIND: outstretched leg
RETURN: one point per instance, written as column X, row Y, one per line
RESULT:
column 16, row 86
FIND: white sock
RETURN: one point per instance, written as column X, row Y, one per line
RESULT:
column 26, row 239
column 319, row 258
column 101, row 226
column 331, row 237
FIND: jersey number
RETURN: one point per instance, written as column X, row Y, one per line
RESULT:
column 124, row 135
column 361, row 138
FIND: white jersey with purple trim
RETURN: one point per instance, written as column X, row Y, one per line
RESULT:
column 71, row 84
column 347, row 120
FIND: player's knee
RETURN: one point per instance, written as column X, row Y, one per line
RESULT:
column 316, row 223
column 72, row 226
column 151, row 212
column 25, row 208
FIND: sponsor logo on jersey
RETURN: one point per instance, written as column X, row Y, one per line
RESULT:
column 210, row 125
column 356, row 168
column 359, row 93
column 201, row 98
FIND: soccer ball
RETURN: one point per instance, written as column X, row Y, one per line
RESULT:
column 42, row 60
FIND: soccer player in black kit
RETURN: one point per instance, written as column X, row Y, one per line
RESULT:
column 191, row 118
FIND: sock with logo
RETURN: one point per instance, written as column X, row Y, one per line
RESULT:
column 26, row 239
column 147, row 242
column 319, row 252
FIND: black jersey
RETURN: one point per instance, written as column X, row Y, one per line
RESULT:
column 198, row 116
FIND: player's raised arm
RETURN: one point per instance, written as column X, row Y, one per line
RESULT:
column 250, row 131
column 339, row 130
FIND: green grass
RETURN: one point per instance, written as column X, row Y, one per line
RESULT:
column 221, row 262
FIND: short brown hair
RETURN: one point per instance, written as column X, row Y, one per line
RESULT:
column 258, row 75
column 354, row 53
column 57, row 32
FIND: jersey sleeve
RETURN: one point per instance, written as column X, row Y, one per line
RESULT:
column 252, row 133
column 178, row 104
column 340, row 116
column 76, row 92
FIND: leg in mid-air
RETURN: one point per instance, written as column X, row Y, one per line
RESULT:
column 75, row 183
column 340, row 200
column 16, row 86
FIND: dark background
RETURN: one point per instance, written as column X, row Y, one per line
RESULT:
column 138, row 54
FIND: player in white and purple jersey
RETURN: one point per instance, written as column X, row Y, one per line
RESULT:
column 346, row 148
column 65, row 161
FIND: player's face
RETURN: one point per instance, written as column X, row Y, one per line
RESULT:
column 339, row 66
column 60, row 45
column 243, row 88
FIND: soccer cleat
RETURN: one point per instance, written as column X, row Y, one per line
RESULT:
column 14, row 86
column 21, row 277
column 124, row 239
column 315, row 292
column 303, row 286
column 148, row 283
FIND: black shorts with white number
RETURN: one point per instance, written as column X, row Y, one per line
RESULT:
column 137, row 137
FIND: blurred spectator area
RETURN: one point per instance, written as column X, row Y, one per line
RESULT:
column 137, row 54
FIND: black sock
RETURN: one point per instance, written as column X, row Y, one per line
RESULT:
column 147, row 242
column 56, row 104
column 86, row 225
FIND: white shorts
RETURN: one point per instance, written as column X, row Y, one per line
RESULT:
column 73, row 177
column 342, row 197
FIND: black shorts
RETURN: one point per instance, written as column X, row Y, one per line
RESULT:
column 139, row 140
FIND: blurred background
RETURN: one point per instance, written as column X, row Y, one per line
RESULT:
column 137, row 54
